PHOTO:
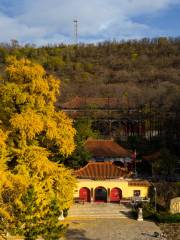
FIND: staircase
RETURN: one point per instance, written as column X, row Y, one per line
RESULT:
column 99, row 210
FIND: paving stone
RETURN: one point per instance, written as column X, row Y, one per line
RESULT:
column 107, row 222
column 111, row 229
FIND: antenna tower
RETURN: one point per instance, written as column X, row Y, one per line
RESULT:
column 75, row 31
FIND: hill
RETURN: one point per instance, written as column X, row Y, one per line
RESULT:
column 144, row 71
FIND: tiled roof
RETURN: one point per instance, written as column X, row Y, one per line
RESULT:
column 80, row 102
column 139, row 183
column 101, row 170
column 106, row 148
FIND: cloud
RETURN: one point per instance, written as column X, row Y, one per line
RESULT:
column 51, row 21
column 10, row 28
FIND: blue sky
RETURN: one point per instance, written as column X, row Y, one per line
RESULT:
column 51, row 21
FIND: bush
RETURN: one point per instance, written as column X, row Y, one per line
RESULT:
column 149, row 212
column 161, row 217
column 134, row 213
column 168, row 218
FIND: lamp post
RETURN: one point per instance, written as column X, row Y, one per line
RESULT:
column 155, row 198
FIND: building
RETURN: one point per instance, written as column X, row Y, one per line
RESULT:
column 97, row 103
column 112, row 114
column 108, row 150
column 109, row 176
column 108, row 114
column 106, row 182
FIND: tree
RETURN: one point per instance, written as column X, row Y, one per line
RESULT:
column 80, row 156
column 165, row 164
column 165, row 192
column 33, row 189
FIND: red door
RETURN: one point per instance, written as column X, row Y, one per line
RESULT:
column 116, row 195
column 84, row 194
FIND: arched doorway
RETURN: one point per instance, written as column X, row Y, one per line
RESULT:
column 116, row 195
column 84, row 194
column 100, row 194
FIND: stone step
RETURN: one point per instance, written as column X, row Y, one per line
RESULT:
column 103, row 215
column 97, row 217
column 98, row 211
column 95, row 213
column 101, row 206
column 92, row 213
column 89, row 208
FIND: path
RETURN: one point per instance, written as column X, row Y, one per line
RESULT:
column 111, row 229
column 106, row 222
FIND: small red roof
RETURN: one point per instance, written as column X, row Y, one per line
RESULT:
column 106, row 148
column 101, row 170
column 79, row 102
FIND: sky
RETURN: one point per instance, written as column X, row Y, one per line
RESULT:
column 44, row 22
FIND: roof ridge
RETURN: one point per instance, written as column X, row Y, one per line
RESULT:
column 102, row 163
column 102, row 170
column 99, row 139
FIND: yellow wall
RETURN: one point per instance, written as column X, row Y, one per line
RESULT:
column 127, row 191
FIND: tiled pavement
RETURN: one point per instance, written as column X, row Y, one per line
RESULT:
column 107, row 222
column 111, row 229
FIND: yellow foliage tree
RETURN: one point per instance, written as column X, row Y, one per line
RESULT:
column 34, row 189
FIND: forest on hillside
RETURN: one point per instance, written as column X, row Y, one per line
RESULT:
column 144, row 71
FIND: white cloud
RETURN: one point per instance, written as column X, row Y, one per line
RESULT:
column 12, row 29
column 43, row 21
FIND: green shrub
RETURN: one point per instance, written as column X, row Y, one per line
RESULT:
column 149, row 212
column 168, row 218
column 161, row 217
column 134, row 213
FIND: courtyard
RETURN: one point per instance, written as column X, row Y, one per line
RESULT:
column 102, row 221
column 111, row 229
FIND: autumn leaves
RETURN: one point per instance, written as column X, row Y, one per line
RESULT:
column 32, row 131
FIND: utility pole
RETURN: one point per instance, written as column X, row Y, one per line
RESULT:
column 75, row 21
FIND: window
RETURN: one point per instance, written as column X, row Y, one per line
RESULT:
column 137, row 193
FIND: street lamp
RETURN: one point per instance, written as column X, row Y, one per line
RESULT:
column 155, row 198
